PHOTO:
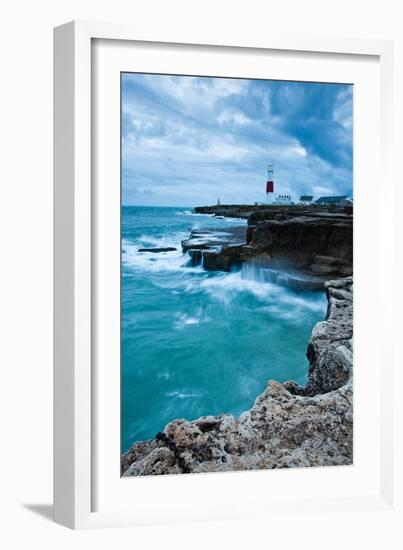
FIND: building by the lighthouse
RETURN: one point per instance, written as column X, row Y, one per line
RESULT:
column 271, row 197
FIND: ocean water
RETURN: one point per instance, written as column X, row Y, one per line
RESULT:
column 195, row 342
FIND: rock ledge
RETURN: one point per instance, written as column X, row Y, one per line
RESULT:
column 288, row 425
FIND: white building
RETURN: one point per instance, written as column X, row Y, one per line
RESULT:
column 283, row 199
column 306, row 199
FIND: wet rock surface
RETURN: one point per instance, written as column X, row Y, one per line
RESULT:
column 288, row 425
column 216, row 250
column 231, row 210
column 156, row 250
column 313, row 243
column 316, row 244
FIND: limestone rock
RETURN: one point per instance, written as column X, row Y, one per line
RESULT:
column 156, row 250
column 312, row 243
column 316, row 241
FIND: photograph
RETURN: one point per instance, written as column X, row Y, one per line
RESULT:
column 197, row 191
column 236, row 274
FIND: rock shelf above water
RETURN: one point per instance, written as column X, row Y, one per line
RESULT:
column 288, row 425
column 157, row 250
column 313, row 243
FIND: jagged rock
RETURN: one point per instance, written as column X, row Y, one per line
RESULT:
column 316, row 244
column 288, row 425
column 196, row 244
column 136, row 452
column 330, row 347
column 156, row 462
column 258, row 212
column 196, row 256
column 313, row 240
column 215, row 250
column 232, row 211
column 204, row 240
column 249, row 234
column 213, row 260
column 221, row 258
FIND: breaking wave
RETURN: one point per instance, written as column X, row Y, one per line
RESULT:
column 196, row 342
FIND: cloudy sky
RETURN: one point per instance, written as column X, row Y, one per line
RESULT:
column 188, row 140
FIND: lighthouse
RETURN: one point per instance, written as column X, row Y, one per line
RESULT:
column 269, row 183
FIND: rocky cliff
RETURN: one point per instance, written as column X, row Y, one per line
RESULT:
column 288, row 425
column 311, row 244
column 227, row 210
column 316, row 243
column 260, row 212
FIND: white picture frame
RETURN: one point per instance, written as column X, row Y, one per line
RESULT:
column 77, row 391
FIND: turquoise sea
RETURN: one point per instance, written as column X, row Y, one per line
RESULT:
column 195, row 342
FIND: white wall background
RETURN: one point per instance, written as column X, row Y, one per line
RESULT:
column 26, row 267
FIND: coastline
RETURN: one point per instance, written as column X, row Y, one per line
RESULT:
column 288, row 425
column 311, row 243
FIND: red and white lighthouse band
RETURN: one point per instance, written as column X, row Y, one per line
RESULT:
column 270, row 180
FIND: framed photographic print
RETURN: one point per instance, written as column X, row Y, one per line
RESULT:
column 218, row 299
column 216, row 203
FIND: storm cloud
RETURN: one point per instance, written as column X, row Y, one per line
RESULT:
column 187, row 141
